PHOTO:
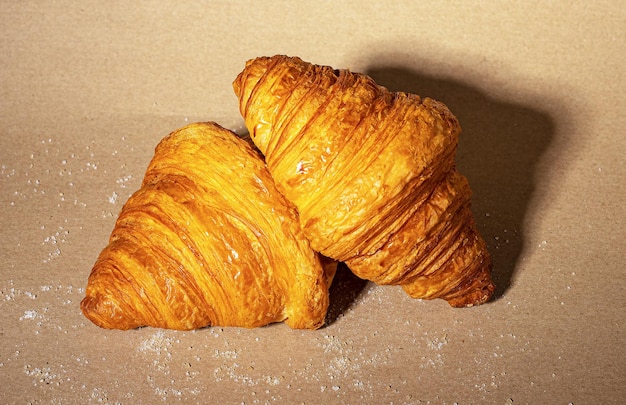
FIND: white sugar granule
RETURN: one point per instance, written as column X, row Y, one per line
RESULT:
column 30, row 295
column 123, row 180
column 225, row 354
column 438, row 343
column 113, row 198
column 31, row 314
column 43, row 375
column 52, row 255
column 157, row 343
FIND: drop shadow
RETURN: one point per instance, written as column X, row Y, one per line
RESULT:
column 499, row 149
column 344, row 291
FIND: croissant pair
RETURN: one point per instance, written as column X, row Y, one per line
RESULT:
column 220, row 234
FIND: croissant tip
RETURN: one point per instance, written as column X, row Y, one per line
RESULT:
column 475, row 297
column 104, row 312
column 89, row 308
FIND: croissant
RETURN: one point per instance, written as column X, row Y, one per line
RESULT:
column 207, row 240
column 372, row 174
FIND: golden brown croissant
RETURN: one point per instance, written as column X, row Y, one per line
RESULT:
column 207, row 240
column 372, row 174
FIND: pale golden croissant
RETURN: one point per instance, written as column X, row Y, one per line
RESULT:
column 207, row 240
column 372, row 174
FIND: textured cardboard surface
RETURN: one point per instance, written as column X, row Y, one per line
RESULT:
column 87, row 90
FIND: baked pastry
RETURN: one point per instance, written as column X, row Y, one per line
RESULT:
column 372, row 174
column 207, row 240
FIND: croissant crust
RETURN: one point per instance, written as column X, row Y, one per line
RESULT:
column 372, row 174
column 207, row 240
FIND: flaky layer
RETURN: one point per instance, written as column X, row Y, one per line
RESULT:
column 207, row 240
column 371, row 173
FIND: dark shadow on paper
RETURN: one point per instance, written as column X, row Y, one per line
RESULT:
column 344, row 291
column 500, row 147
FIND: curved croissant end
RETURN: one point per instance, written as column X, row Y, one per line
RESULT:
column 372, row 174
column 207, row 240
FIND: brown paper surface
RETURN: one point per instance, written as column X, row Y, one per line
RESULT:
column 88, row 89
